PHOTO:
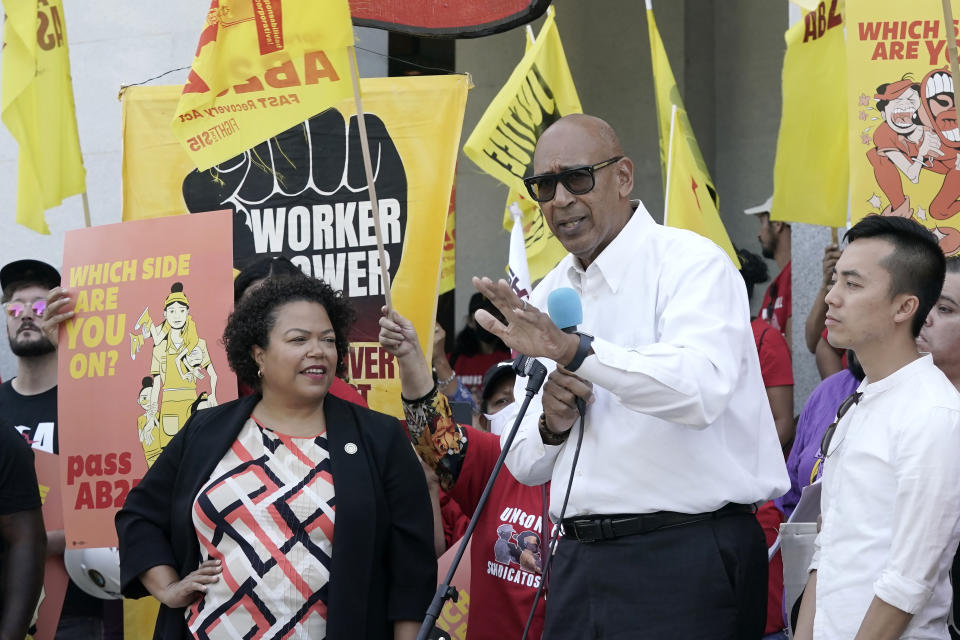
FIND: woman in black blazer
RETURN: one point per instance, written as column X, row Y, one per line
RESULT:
column 287, row 510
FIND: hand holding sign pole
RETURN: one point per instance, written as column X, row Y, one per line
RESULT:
column 368, row 167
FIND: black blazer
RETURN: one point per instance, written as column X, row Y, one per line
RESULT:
column 383, row 566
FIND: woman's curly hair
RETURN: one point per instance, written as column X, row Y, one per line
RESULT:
column 253, row 319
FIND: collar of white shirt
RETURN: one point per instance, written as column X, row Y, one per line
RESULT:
column 614, row 261
column 903, row 375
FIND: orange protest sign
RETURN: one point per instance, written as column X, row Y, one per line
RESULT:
column 140, row 356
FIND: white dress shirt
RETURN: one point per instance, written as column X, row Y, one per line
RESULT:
column 891, row 505
column 681, row 420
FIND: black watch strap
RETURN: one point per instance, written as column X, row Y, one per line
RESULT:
column 585, row 341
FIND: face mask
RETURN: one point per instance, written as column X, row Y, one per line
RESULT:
column 498, row 421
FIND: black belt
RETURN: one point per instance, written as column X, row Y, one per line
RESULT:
column 594, row 528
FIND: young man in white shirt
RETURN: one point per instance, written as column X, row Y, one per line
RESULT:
column 891, row 502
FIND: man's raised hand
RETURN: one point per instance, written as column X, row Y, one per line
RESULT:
column 527, row 330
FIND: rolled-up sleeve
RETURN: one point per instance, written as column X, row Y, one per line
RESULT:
column 926, row 510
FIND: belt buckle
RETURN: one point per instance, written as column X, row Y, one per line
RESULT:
column 588, row 531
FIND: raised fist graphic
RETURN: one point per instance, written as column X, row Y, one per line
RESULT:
column 303, row 194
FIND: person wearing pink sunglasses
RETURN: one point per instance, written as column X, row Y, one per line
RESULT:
column 35, row 305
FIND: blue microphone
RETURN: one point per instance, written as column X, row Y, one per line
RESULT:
column 565, row 309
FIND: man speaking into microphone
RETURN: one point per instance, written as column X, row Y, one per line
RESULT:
column 659, row 537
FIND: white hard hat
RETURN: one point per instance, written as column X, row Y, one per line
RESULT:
column 760, row 208
column 95, row 571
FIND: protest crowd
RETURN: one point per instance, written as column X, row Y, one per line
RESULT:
column 611, row 446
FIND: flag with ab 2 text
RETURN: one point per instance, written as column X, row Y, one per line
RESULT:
column 261, row 66
column 37, row 108
column 690, row 199
column 904, row 145
column 811, row 173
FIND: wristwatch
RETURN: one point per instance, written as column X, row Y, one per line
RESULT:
column 582, row 350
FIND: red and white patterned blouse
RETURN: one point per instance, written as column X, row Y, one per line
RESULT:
column 267, row 514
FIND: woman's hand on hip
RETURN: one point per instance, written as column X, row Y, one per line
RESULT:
column 192, row 586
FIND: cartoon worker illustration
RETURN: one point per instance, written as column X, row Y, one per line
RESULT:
column 919, row 132
column 179, row 360
column 902, row 143
column 159, row 332
column 149, row 437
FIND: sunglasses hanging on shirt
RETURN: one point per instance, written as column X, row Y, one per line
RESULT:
column 825, row 450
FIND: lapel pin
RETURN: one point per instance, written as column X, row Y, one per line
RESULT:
column 350, row 448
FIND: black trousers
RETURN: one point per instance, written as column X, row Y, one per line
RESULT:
column 706, row 580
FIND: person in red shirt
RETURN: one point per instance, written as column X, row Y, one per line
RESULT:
column 774, row 237
column 510, row 540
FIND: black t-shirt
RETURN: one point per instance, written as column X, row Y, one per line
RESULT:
column 18, row 480
column 35, row 417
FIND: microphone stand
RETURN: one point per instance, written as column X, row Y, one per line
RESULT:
column 445, row 591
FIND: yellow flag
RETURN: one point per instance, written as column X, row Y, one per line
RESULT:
column 690, row 199
column 688, row 203
column 37, row 107
column 811, row 172
column 540, row 90
column 544, row 251
column 538, row 93
column 154, row 162
column 668, row 96
column 260, row 68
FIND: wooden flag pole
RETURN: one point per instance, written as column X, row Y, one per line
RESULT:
column 368, row 167
column 834, row 236
column 86, row 210
column 951, row 41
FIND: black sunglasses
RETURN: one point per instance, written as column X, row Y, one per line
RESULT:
column 578, row 181
column 851, row 400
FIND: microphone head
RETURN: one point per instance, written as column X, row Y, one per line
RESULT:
column 564, row 307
